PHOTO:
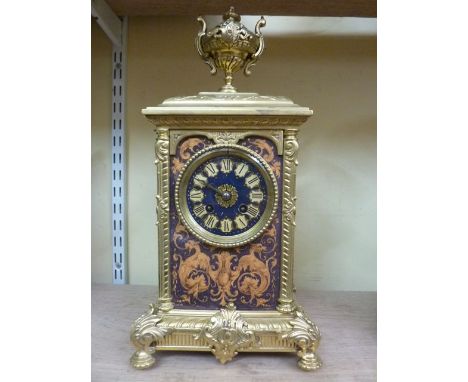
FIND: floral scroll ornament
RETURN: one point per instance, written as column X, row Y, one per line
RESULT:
column 162, row 150
column 202, row 274
column 306, row 336
column 145, row 333
column 290, row 209
column 227, row 333
column 185, row 150
column 225, row 274
column 162, row 209
column 264, row 148
column 227, row 136
column 291, row 147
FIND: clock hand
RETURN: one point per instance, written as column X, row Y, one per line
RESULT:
column 225, row 195
column 213, row 188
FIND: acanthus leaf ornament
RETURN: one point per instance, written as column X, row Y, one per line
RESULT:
column 290, row 210
column 306, row 336
column 291, row 147
column 227, row 332
column 162, row 209
column 146, row 332
column 162, row 145
column 228, row 137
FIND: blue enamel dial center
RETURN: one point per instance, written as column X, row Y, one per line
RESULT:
column 227, row 195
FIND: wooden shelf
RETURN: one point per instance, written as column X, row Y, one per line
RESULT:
column 348, row 349
column 331, row 8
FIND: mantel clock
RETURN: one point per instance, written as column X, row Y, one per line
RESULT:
column 226, row 204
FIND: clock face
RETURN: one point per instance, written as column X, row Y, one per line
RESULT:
column 226, row 195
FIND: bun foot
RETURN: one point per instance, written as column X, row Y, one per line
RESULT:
column 308, row 360
column 142, row 360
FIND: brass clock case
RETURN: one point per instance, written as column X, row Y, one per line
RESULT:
column 189, row 221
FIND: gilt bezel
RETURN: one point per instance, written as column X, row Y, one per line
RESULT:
column 189, row 221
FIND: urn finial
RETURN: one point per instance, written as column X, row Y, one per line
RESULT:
column 230, row 46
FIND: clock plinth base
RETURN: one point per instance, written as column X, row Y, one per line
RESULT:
column 225, row 333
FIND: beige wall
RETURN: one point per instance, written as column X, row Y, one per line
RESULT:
column 336, row 76
column 101, row 84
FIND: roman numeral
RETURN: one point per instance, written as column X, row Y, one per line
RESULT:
column 241, row 221
column 196, row 195
column 226, row 165
column 200, row 180
column 211, row 221
column 211, row 169
column 241, row 170
column 252, row 211
column 252, row 181
column 226, row 225
column 199, row 210
column 256, row 196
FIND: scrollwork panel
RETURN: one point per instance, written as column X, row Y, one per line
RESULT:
column 204, row 277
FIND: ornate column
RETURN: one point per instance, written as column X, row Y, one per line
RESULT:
column 291, row 146
column 162, row 211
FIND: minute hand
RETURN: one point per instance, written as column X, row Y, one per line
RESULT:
column 213, row 188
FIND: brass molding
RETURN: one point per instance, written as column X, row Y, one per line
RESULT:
column 162, row 210
column 217, row 121
column 291, row 147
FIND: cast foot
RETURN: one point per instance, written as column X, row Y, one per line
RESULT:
column 308, row 360
column 142, row 360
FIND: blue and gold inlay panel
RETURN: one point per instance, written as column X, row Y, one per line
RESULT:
column 207, row 277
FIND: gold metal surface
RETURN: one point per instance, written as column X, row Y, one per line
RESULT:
column 226, row 202
column 291, row 147
column 230, row 46
column 189, row 221
column 225, row 332
column 162, row 210
column 188, row 126
column 306, row 336
column 217, row 121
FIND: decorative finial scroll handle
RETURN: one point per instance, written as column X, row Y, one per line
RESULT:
column 230, row 46
column 205, row 56
column 260, row 24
